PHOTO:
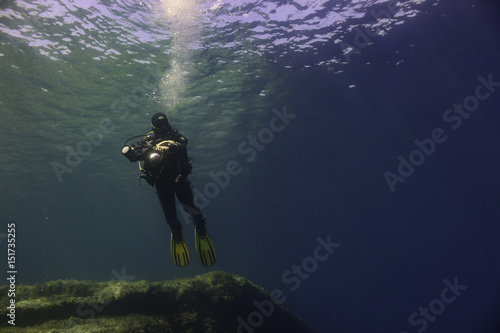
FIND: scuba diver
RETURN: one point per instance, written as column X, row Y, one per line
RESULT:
column 166, row 166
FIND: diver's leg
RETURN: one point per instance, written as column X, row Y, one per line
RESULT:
column 167, row 199
column 178, row 246
column 204, row 245
column 184, row 193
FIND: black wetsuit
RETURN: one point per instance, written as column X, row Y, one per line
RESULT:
column 170, row 177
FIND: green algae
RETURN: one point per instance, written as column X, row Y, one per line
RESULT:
column 208, row 303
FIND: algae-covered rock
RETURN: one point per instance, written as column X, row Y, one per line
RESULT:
column 215, row 302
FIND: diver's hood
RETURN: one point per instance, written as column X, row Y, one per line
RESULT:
column 159, row 121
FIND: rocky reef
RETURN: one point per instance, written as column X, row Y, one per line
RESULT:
column 215, row 302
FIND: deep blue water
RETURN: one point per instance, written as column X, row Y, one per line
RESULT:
column 219, row 70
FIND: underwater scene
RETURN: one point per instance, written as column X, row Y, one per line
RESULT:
column 250, row 166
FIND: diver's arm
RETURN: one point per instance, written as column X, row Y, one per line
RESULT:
column 170, row 147
column 137, row 152
column 182, row 140
column 141, row 152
